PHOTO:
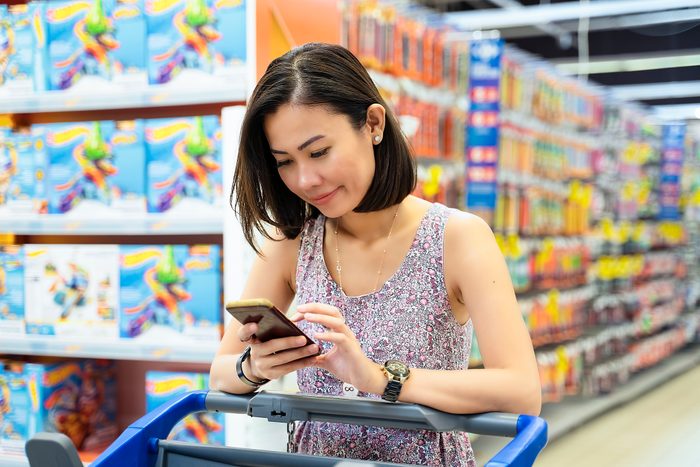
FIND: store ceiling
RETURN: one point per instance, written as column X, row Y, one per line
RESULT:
column 658, row 40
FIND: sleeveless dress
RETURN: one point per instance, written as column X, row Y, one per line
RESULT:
column 408, row 319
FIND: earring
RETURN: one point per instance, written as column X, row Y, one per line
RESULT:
column 377, row 139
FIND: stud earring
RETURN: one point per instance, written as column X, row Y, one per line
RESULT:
column 377, row 139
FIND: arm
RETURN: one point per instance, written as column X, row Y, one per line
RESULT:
column 509, row 381
column 271, row 277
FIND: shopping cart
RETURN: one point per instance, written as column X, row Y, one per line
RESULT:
column 143, row 444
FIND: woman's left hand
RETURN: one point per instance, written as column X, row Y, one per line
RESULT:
column 346, row 360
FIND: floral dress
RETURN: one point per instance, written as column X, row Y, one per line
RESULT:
column 408, row 319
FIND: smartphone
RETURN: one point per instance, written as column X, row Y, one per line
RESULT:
column 272, row 323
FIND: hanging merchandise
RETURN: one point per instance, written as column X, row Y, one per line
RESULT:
column 671, row 170
column 483, row 125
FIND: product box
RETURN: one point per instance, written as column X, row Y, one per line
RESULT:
column 200, row 427
column 23, row 168
column 170, row 292
column 11, row 290
column 183, row 168
column 195, row 42
column 96, row 45
column 96, row 169
column 22, row 49
column 72, row 290
column 74, row 398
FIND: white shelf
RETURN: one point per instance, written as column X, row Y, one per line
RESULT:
column 7, row 460
column 172, row 350
column 144, row 224
column 231, row 88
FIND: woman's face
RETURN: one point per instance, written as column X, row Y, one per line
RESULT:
column 321, row 158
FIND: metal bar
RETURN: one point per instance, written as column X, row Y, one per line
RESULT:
column 625, row 63
column 179, row 454
column 542, row 14
column 657, row 90
column 283, row 408
column 604, row 24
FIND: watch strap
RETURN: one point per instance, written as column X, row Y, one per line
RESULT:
column 392, row 391
column 239, row 370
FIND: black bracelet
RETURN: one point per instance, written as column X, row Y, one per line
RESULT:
column 239, row 370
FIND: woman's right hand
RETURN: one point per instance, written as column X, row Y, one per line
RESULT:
column 276, row 357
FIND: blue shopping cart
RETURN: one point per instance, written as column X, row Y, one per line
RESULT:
column 144, row 443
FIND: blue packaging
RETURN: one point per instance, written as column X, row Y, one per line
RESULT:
column 27, row 189
column 91, row 43
column 72, row 290
column 74, row 398
column 11, row 290
column 195, row 40
column 201, row 427
column 23, row 44
column 103, row 162
column 184, row 165
column 170, row 291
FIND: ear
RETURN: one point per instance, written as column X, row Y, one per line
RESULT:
column 376, row 120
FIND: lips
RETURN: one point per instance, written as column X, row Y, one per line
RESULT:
column 324, row 198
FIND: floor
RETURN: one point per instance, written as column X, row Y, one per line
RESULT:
column 662, row 428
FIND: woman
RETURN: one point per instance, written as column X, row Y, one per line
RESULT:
column 389, row 285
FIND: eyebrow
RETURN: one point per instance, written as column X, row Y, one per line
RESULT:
column 301, row 147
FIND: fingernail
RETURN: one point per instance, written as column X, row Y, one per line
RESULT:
column 313, row 349
column 301, row 341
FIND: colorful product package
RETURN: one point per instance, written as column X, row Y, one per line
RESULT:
column 74, row 398
column 195, row 42
column 200, row 427
column 93, row 45
column 11, row 290
column 72, row 290
column 169, row 292
column 183, row 168
column 100, row 162
column 22, row 49
column 23, row 168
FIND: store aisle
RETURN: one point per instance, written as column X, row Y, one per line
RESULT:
column 661, row 428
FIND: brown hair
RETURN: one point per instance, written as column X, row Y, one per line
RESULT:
column 312, row 74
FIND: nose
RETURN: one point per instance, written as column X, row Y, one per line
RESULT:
column 308, row 177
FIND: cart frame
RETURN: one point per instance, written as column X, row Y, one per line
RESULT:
column 144, row 444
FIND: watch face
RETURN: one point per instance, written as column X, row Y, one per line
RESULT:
column 396, row 368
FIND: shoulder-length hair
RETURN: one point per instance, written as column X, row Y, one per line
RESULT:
column 312, row 74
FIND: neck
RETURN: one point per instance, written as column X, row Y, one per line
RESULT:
column 367, row 226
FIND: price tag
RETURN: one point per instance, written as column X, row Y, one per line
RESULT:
column 349, row 390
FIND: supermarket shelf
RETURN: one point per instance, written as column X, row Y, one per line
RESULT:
column 573, row 412
column 231, row 89
column 145, row 224
column 120, row 349
column 7, row 460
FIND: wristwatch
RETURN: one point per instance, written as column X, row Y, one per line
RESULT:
column 397, row 373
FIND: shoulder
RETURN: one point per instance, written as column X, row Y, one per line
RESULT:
column 467, row 234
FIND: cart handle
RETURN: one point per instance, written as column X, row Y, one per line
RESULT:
column 142, row 436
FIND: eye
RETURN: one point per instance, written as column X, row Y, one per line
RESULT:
column 320, row 153
column 281, row 164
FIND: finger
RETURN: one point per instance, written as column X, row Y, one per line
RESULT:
column 320, row 308
column 280, row 344
column 295, row 365
column 247, row 331
column 336, row 338
column 291, row 355
column 331, row 322
column 296, row 317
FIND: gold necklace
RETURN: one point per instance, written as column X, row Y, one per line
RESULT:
column 338, row 265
